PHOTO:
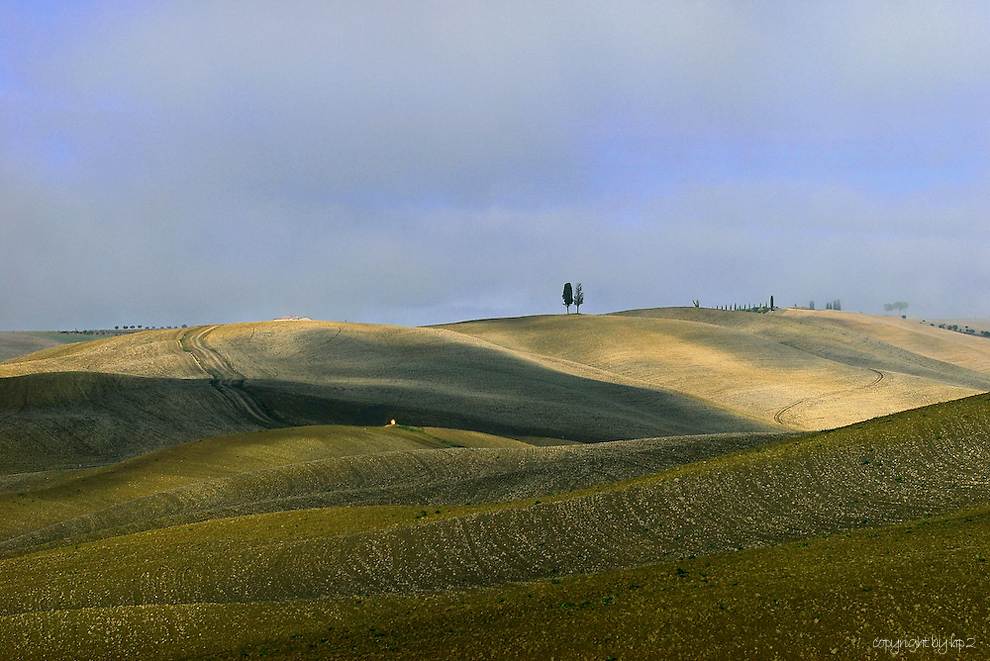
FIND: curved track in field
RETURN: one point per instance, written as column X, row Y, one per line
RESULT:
column 778, row 416
column 224, row 377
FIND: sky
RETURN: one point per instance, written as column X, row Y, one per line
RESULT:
column 168, row 163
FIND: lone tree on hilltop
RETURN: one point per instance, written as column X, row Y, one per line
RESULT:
column 578, row 297
column 568, row 296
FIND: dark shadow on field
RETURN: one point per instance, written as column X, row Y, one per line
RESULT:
column 565, row 407
column 70, row 419
column 73, row 419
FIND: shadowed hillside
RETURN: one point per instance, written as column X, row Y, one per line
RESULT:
column 58, row 420
column 147, row 390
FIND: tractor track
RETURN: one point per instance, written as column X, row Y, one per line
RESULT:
column 228, row 381
column 778, row 416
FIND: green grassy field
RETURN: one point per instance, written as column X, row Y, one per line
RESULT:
column 838, row 596
column 754, row 514
column 196, row 531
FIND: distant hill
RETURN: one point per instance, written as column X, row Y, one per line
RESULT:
column 799, row 369
column 15, row 344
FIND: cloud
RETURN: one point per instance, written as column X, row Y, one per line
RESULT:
column 200, row 161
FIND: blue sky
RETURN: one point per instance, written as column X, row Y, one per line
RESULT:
column 194, row 162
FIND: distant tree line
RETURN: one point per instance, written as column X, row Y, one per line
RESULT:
column 767, row 307
column 140, row 327
column 829, row 305
column 118, row 330
column 965, row 329
column 748, row 307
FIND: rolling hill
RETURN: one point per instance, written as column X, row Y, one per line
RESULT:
column 19, row 343
column 760, row 513
column 677, row 479
column 590, row 378
column 802, row 370
column 258, row 376
column 13, row 345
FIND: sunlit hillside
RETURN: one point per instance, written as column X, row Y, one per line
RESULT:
column 801, row 370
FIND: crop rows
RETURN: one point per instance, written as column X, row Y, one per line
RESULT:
column 813, row 486
column 435, row 477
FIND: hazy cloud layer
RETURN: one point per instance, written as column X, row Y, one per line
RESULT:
column 168, row 163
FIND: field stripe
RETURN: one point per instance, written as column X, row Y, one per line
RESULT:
column 224, row 377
